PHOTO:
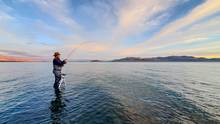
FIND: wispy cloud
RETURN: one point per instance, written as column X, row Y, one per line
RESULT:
column 58, row 10
column 138, row 16
column 17, row 53
column 206, row 9
column 174, row 33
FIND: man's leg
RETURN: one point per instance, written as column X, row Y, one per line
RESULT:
column 57, row 80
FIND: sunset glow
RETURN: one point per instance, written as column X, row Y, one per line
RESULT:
column 14, row 59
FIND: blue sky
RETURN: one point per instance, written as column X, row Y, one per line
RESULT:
column 109, row 28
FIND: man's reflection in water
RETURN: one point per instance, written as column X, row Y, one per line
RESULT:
column 57, row 107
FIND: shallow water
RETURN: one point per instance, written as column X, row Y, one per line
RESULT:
column 111, row 93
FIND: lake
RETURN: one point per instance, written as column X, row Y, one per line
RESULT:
column 111, row 93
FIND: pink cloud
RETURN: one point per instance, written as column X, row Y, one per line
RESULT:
column 14, row 59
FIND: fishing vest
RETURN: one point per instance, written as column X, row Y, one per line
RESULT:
column 57, row 68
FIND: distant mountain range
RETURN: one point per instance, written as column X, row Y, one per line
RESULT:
column 168, row 59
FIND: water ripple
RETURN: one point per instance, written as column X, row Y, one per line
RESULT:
column 112, row 93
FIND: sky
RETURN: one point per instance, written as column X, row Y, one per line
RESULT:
column 107, row 29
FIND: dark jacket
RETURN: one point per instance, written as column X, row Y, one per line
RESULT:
column 58, row 64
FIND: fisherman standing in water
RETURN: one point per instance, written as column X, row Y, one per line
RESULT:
column 57, row 68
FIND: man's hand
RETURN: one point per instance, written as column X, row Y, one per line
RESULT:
column 65, row 61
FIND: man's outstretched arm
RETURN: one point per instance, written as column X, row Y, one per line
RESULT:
column 59, row 62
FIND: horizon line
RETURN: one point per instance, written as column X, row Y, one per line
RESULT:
column 21, row 59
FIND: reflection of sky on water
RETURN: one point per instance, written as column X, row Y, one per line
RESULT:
column 111, row 93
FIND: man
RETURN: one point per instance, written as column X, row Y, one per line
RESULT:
column 57, row 68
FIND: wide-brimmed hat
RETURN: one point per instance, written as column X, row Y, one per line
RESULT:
column 56, row 54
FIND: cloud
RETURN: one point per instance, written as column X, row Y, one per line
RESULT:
column 57, row 9
column 91, row 47
column 4, row 58
column 17, row 53
column 139, row 16
column 11, row 40
column 210, row 49
column 4, row 17
column 174, row 33
column 206, row 9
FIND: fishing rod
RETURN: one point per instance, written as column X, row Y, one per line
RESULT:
column 62, row 82
column 74, row 49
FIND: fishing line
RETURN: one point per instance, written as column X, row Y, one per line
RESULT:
column 74, row 49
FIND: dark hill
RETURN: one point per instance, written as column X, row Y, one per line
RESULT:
column 168, row 59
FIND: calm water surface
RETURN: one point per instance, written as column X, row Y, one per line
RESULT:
column 111, row 93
